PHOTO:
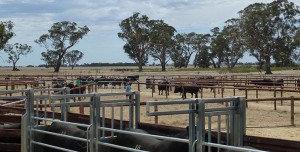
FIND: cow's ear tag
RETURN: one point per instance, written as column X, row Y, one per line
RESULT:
column 138, row 147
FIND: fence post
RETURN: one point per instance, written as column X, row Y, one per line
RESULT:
column 222, row 91
column 281, row 94
column 233, row 91
column 275, row 106
column 256, row 95
column 292, row 111
column 156, row 117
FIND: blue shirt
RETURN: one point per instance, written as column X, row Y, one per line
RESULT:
column 128, row 88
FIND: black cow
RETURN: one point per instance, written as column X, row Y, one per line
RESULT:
column 185, row 89
column 136, row 141
column 133, row 77
column 148, row 83
column 86, row 79
column 11, row 126
column 157, row 145
column 63, row 142
column 117, row 82
column 60, row 81
column 267, row 82
column 74, row 89
column 206, row 81
column 163, row 85
column 102, row 82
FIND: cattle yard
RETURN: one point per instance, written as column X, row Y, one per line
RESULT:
column 272, row 110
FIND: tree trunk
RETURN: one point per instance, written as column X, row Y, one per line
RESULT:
column 14, row 66
column 268, row 66
column 140, row 67
column 163, row 67
column 57, row 66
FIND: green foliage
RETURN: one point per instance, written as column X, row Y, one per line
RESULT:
column 15, row 51
column 135, row 31
column 5, row 32
column 270, row 29
column 184, row 49
column 162, row 42
column 73, row 57
column 61, row 37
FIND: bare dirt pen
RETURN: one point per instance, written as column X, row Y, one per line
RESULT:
column 262, row 119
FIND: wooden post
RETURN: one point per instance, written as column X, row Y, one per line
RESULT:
column 256, row 95
column 281, row 94
column 233, row 91
column 139, row 89
column 156, row 117
column 292, row 111
column 275, row 106
column 167, row 90
column 214, row 92
column 222, row 91
column 201, row 92
column 153, row 87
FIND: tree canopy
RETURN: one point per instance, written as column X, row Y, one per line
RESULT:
column 61, row 37
column 15, row 51
column 135, row 31
column 6, row 32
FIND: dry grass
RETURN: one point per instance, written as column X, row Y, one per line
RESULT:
column 262, row 119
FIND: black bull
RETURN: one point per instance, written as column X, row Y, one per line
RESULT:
column 146, row 143
column 63, row 142
column 268, row 82
column 184, row 89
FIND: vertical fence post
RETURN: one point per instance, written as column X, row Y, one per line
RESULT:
column 156, row 117
column 275, row 106
column 233, row 91
column 281, row 94
column 292, row 111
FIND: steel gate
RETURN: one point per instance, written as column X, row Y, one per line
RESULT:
column 200, row 122
column 46, row 109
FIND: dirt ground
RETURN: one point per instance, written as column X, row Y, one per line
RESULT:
column 262, row 119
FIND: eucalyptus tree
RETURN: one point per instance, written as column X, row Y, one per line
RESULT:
column 286, row 15
column 135, row 31
column 234, row 42
column 185, row 44
column 14, row 51
column 201, row 45
column 162, row 42
column 177, row 57
column 6, row 32
column 218, row 47
column 269, row 29
column 61, row 37
column 73, row 57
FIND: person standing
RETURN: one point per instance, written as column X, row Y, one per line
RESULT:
column 128, row 89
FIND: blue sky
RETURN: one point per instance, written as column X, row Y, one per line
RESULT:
column 33, row 18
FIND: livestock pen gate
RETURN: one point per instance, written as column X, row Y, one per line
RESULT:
column 46, row 109
column 200, row 122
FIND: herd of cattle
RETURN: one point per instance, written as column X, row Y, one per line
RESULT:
column 192, row 86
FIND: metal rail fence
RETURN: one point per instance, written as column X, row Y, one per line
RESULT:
column 40, row 107
column 197, row 111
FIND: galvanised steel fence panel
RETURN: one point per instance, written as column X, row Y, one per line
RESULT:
column 39, row 109
column 200, row 121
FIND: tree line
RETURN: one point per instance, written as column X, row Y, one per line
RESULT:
column 267, row 31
